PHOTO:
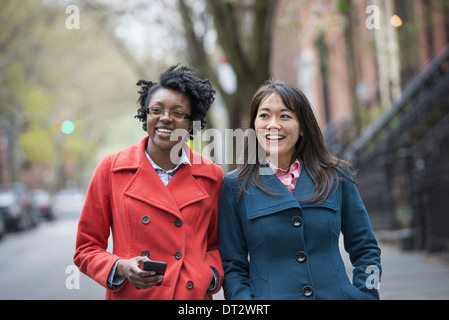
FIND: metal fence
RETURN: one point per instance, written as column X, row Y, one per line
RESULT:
column 403, row 161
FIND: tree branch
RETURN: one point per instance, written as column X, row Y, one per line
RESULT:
column 262, row 37
column 198, row 56
column 226, row 25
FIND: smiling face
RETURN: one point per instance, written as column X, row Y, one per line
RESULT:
column 277, row 130
column 159, row 128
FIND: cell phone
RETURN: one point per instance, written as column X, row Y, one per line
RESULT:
column 157, row 266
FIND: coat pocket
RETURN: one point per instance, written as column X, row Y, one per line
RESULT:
column 259, row 286
column 349, row 291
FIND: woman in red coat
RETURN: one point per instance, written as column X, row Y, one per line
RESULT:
column 159, row 199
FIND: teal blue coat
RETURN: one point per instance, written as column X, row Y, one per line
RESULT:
column 280, row 247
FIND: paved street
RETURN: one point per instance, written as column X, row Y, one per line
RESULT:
column 33, row 265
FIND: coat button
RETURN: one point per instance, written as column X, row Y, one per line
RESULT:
column 189, row 284
column 145, row 253
column 307, row 291
column 301, row 256
column 145, row 219
column 178, row 255
column 178, row 223
column 296, row 221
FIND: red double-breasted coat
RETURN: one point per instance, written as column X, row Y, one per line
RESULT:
column 176, row 223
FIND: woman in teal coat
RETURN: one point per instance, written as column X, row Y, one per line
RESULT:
column 280, row 216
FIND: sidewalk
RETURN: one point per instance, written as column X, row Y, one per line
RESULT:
column 411, row 275
column 406, row 275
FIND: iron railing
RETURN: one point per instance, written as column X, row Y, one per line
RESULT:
column 403, row 160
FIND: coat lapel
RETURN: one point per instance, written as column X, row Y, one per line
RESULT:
column 305, row 189
column 184, row 188
column 146, row 186
column 261, row 204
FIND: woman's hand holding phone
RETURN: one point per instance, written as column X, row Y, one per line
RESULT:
column 141, row 279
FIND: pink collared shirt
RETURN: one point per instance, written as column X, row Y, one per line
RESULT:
column 290, row 177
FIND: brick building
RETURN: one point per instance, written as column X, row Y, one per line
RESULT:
column 353, row 58
column 377, row 74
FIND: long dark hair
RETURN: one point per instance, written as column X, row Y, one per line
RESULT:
column 310, row 149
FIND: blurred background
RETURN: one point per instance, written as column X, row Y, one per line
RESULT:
column 376, row 72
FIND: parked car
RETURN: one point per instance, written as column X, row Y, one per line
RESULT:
column 16, row 207
column 42, row 203
column 10, row 209
column 68, row 202
column 2, row 225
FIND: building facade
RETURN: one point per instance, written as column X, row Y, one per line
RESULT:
column 377, row 74
column 353, row 58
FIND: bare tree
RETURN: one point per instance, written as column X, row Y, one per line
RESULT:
column 244, row 33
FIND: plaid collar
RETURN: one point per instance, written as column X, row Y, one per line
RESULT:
column 287, row 177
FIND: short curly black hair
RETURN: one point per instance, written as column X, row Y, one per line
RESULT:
column 181, row 78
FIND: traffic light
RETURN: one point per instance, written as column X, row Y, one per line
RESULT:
column 67, row 127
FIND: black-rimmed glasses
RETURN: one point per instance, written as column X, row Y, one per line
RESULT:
column 174, row 114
